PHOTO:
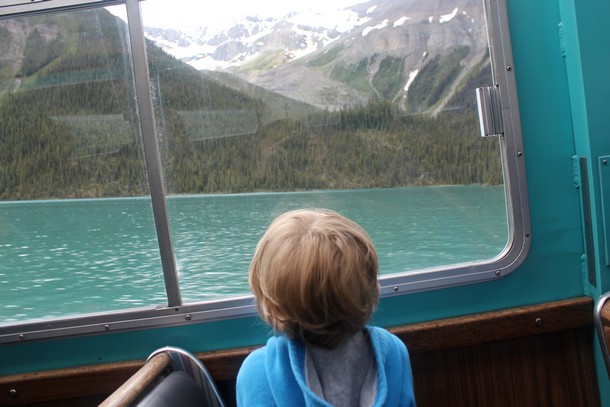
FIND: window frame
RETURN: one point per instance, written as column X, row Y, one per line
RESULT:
column 176, row 312
column 513, row 169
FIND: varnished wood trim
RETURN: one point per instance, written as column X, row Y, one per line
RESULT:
column 493, row 326
column 59, row 384
column 140, row 381
column 554, row 369
column 422, row 337
column 456, row 332
column 223, row 365
column 605, row 312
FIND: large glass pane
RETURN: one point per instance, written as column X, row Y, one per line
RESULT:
column 364, row 108
column 76, row 227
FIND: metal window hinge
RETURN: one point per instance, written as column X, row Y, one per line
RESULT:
column 490, row 111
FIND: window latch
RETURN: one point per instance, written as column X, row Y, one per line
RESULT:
column 490, row 111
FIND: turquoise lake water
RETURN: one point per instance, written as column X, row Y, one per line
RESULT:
column 69, row 257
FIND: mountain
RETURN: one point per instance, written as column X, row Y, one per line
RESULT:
column 415, row 53
column 70, row 128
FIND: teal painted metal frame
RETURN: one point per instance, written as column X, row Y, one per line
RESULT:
column 584, row 40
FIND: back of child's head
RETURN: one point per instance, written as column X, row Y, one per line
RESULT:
column 314, row 276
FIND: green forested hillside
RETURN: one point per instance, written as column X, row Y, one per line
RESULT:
column 69, row 128
column 412, row 150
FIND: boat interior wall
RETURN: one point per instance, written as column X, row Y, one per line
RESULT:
column 541, row 354
column 583, row 36
column 525, row 338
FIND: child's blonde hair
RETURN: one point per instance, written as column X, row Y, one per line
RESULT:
column 314, row 276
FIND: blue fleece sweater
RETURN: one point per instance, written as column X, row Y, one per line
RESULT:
column 275, row 374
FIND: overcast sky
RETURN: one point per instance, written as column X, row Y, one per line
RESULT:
column 172, row 13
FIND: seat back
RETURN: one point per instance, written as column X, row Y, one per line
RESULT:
column 176, row 389
column 187, row 362
column 170, row 377
column 602, row 326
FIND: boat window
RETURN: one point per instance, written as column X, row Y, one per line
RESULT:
column 363, row 109
column 76, row 227
column 142, row 158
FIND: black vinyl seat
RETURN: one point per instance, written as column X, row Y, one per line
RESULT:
column 170, row 377
column 176, row 389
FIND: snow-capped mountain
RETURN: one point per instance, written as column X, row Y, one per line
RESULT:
column 351, row 54
column 232, row 45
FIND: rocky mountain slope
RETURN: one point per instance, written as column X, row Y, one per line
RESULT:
column 415, row 53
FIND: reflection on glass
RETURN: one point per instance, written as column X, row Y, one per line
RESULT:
column 365, row 108
column 70, row 136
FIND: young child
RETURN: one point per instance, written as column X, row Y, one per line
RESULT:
column 314, row 276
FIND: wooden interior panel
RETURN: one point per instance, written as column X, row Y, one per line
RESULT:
column 540, row 355
column 555, row 369
column 499, row 325
column 605, row 313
